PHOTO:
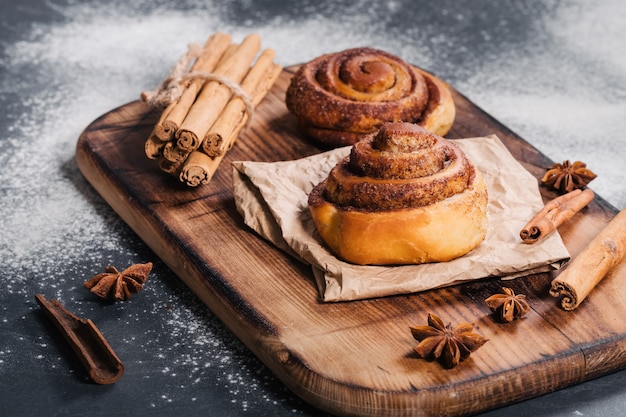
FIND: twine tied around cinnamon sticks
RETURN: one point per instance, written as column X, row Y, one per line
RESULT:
column 207, row 104
column 173, row 86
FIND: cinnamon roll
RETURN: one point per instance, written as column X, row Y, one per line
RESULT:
column 342, row 97
column 403, row 196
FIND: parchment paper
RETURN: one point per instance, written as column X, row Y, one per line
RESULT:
column 272, row 198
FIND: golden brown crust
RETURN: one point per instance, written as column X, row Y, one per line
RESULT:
column 367, row 159
column 431, row 214
column 438, row 117
column 342, row 97
column 401, row 166
column 437, row 233
column 331, row 138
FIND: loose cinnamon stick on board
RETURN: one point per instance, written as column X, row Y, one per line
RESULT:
column 555, row 213
column 214, row 95
column 94, row 352
column 588, row 268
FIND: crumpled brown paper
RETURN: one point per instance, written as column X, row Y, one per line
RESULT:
column 272, row 198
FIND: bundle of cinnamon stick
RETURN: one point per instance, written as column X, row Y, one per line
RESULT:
column 219, row 93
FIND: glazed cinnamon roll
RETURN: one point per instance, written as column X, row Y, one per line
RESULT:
column 403, row 196
column 342, row 97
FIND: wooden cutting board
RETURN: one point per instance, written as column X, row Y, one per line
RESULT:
column 353, row 358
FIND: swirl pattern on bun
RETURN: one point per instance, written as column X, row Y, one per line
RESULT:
column 342, row 97
column 403, row 196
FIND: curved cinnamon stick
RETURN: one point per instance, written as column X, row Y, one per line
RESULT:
column 96, row 355
column 555, row 213
column 591, row 265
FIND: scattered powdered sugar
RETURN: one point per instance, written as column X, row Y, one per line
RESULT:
column 565, row 91
column 57, row 232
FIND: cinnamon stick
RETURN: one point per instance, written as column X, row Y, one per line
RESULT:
column 212, row 52
column 216, row 112
column 199, row 167
column 163, row 130
column 94, row 352
column 214, row 95
column 173, row 153
column 592, row 264
column 258, row 96
column 170, row 167
column 154, row 147
column 554, row 214
column 235, row 110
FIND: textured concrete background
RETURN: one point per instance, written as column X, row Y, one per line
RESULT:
column 554, row 72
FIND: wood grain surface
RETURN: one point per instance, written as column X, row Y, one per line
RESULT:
column 353, row 358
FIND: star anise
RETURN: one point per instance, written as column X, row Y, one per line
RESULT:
column 119, row 286
column 567, row 177
column 449, row 345
column 508, row 306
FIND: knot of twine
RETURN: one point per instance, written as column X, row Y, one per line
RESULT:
column 173, row 86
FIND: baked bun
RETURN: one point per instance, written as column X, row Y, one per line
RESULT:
column 343, row 97
column 403, row 196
